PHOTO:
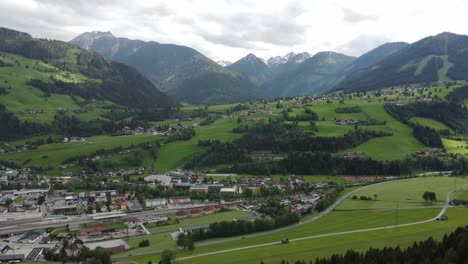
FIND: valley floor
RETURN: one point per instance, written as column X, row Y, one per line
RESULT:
column 351, row 225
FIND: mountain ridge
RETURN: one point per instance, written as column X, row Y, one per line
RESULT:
column 110, row 80
column 441, row 57
column 178, row 70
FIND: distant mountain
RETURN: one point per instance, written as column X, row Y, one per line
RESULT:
column 435, row 58
column 313, row 75
column 100, row 78
column 260, row 71
column 252, row 67
column 374, row 56
column 287, row 63
column 290, row 58
column 224, row 63
column 181, row 72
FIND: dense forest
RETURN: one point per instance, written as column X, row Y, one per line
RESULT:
column 452, row 115
column 11, row 127
column 428, row 136
column 278, row 137
column 329, row 164
column 458, row 95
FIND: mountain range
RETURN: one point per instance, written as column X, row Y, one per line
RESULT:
column 442, row 57
column 187, row 75
column 77, row 72
column 302, row 74
column 182, row 72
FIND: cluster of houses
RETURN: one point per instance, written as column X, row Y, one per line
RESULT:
column 258, row 111
column 349, row 122
column 155, row 130
column 33, row 111
column 329, row 97
column 6, row 148
column 73, row 139
column 268, row 156
column 352, row 155
column 95, row 202
column 126, row 130
column 301, row 204
column 20, row 178
column 430, row 152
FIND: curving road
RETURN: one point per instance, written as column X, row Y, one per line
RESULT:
column 320, row 215
column 443, row 210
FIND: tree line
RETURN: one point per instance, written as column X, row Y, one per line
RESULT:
column 242, row 227
column 279, row 137
column 329, row 164
column 450, row 114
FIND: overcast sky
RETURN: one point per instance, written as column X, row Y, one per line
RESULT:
column 230, row 29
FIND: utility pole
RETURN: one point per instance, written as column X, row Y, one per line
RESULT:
column 396, row 217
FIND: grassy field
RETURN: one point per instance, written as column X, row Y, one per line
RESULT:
column 172, row 155
column 461, row 194
column 400, row 143
column 454, row 146
column 23, row 96
column 428, row 122
column 207, row 219
column 407, row 194
column 160, row 236
column 347, row 220
column 56, row 153
column 325, row 246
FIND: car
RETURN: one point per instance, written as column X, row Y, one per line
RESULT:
column 285, row 240
column 442, row 218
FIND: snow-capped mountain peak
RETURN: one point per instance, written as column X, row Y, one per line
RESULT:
column 224, row 63
column 291, row 57
column 299, row 58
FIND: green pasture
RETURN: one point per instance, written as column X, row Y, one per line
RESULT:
column 404, row 194
column 56, row 153
column 160, row 236
column 23, row 96
column 172, row 155
column 455, row 146
column 348, row 220
column 326, row 246
column 428, row 122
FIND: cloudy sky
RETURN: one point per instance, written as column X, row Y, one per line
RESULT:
column 230, row 29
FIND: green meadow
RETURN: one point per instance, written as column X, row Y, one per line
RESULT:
column 56, row 153
column 455, row 146
column 22, row 96
column 160, row 236
column 428, row 122
column 174, row 154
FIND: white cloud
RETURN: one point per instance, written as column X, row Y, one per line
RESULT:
column 230, row 29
